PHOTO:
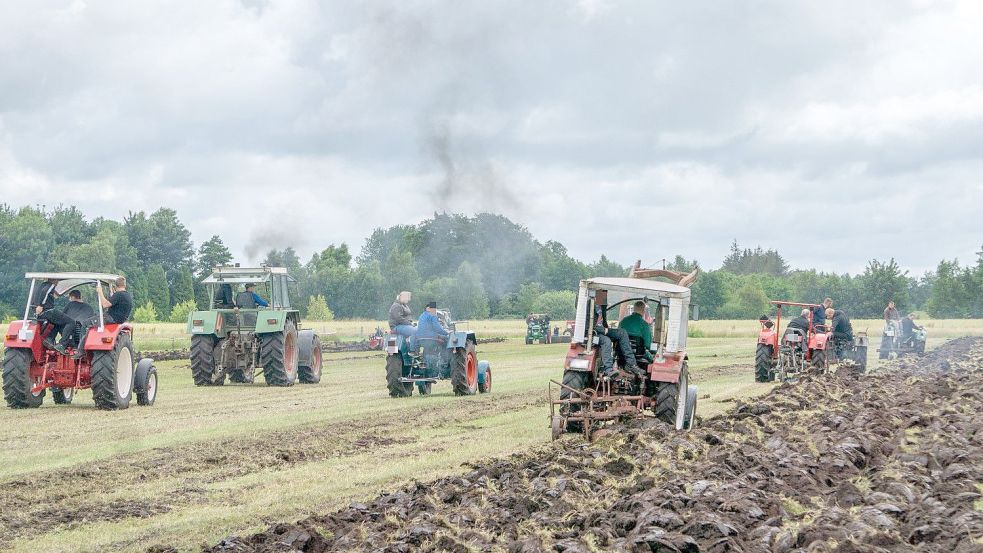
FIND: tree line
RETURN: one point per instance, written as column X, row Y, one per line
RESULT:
column 478, row 266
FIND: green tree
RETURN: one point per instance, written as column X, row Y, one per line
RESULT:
column 145, row 313
column 180, row 312
column 748, row 302
column 880, row 283
column 604, row 267
column 558, row 270
column 747, row 261
column 158, row 292
column 467, row 298
column 558, row 304
column 318, row 310
column 948, row 297
column 212, row 253
column 399, row 273
column 709, row 294
column 184, row 289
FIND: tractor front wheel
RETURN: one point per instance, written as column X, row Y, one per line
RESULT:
column 762, row 364
column 485, row 374
column 63, row 396
column 394, row 371
column 464, row 373
column 279, row 355
column 204, row 347
column 112, row 375
column 17, row 381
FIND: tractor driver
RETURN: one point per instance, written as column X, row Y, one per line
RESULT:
column 249, row 299
column 908, row 327
column 400, row 316
column 79, row 312
column 636, row 326
column 607, row 338
column 801, row 322
column 429, row 326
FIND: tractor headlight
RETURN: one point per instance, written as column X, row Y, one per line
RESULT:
column 579, row 364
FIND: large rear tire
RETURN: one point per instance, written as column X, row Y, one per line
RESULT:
column 113, row 375
column 310, row 351
column 670, row 402
column 204, row 347
column 394, row 371
column 464, row 375
column 279, row 356
column 17, row 382
column 762, row 364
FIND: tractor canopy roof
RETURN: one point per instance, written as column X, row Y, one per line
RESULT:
column 67, row 281
column 635, row 288
column 243, row 275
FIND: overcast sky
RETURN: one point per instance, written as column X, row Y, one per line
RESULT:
column 833, row 131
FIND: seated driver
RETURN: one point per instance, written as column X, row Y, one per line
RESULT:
column 637, row 326
column 80, row 312
column 607, row 338
column 801, row 322
column 249, row 299
column 908, row 327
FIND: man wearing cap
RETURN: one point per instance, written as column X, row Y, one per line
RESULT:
column 249, row 299
column 429, row 327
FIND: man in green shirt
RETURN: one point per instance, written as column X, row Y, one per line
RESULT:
column 636, row 325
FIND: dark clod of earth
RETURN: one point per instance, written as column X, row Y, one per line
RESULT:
column 892, row 461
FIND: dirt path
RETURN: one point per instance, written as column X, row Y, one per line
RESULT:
column 889, row 462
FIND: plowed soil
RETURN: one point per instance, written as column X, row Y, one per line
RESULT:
column 887, row 462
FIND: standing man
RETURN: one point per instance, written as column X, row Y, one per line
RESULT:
column 119, row 306
column 400, row 316
column 819, row 313
column 891, row 314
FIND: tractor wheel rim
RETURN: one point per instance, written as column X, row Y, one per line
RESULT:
column 69, row 393
column 488, row 380
column 124, row 372
column 37, row 382
column 152, row 386
column 290, row 353
column 472, row 371
column 316, row 358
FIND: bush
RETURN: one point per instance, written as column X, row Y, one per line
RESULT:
column 318, row 310
column 559, row 305
column 180, row 312
column 145, row 314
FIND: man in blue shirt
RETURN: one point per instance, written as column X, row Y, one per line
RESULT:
column 250, row 299
column 429, row 327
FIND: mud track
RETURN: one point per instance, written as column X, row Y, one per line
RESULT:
column 889, row 462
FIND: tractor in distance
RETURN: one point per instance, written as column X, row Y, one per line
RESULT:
column 586, row 400
column 895, row 344
column 103, row 360
column 239, row 339
column 538, row 329
column 785, row 357
column 426, row 361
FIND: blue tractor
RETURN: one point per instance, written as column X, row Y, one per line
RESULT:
column 429, row 360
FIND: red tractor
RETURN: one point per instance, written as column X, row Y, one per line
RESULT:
column 798, row 349
column 587, row 400
column 103, row 360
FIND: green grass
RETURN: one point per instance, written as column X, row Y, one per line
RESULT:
column 204, row 463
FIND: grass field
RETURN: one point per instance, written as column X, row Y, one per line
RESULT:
column 204, row 463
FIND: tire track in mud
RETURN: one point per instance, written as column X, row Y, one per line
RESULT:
column 887, row 462
column 62, row 499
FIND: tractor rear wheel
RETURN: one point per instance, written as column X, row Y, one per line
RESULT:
column 670, row 402
column 17, row 381
column 203, row 362
column 112, row 375
column 762, row 364
column 278, row 354
column 63, row 396
column 464, row 372
column 310, row 372
column 394, row 371
column 576, row 380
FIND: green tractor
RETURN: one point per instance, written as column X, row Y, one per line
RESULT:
column 239, row 338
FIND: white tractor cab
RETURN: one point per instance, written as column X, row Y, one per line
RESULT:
column 586, row 399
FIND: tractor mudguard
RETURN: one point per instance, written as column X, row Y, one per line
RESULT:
column 305, row 347
column 459, row 339
column 270, row 321
column 667, row 368
column 768, row 337
column 15, row 339
column 105, row 340
column 818, row 341
column 202, row 322
column 580, row 358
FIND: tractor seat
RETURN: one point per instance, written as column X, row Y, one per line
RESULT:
column 638, row 348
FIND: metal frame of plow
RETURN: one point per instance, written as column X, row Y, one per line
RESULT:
column 599, row 405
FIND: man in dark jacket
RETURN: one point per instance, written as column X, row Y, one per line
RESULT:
column 908, row 327
column 842, row 328
column 819, row 313
column 79, row 312
column 607, row 338
column 400, row 316
column 801, row 322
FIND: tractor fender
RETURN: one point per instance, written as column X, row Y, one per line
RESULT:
column 459, row 339
column 203, row 322
column 818, row 341
column 667, row 368
column 768, row 337
column 580, row 358
column 14, row 338
column 270, row 321
column 105, row 340
column 483, row 367
column 305, row 346
column 142, row 370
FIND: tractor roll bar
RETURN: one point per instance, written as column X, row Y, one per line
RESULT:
column 27, row 309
